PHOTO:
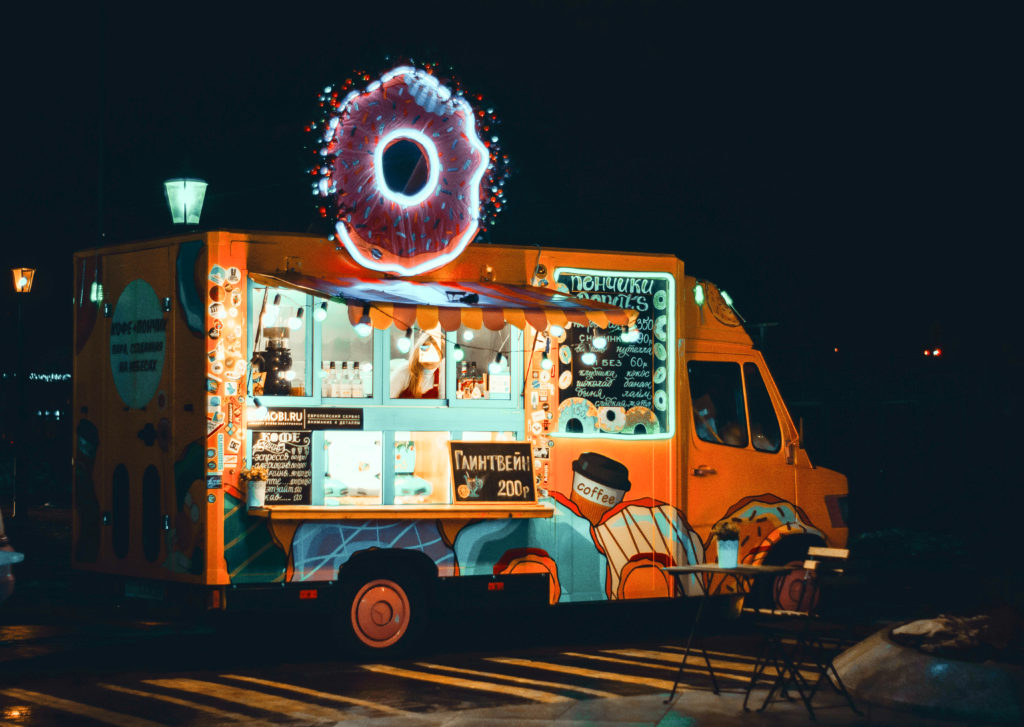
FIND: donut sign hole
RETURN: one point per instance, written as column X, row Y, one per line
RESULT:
column 405, row 167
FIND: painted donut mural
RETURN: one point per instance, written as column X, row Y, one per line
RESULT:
column 406, row 171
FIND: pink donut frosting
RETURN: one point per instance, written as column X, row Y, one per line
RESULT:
column 390, row 230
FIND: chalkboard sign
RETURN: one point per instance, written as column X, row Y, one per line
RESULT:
column 288, row 459
column 626, row 390
column 492, row 472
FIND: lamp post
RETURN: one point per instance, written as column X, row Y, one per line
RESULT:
column 22, row 279
column 185, row 197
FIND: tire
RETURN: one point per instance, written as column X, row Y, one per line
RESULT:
column 776, row 592
column 381, row 613
column 796, row 590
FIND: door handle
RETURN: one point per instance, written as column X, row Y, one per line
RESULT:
column 703, row 471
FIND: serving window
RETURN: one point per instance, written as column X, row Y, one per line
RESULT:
column 422, row 468
column 353, row 468
column 484, row 360
column 404, row 395
column 417, row 364
column 346, row 354
column 280, row 342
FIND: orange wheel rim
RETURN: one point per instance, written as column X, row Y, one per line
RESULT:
column 380, row 613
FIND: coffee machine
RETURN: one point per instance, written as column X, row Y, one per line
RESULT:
column 275, row 361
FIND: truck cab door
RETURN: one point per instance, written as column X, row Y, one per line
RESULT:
column 736, row 443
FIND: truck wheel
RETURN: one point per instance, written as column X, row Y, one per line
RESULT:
column 796, row 590
column 781, row 591
column 382, row 614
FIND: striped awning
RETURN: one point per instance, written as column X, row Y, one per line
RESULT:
column 406, row 303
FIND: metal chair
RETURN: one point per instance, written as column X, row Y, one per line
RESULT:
column 806, row 638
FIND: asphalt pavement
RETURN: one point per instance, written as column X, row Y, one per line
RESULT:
column 46, row 595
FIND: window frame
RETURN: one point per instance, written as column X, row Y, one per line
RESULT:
column 742, row 388
column 771, row 403
column 381, row 412
column 742, row 363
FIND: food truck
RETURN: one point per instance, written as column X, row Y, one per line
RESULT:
column 522, row 422
column 374, row 423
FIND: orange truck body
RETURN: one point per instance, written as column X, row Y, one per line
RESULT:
column 164, row 336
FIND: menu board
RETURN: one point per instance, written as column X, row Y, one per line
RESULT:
column 625, row 390
column 492, row 472
column 288, row 459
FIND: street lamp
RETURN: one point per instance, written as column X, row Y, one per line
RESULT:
column 22, row 279
column 185, row 197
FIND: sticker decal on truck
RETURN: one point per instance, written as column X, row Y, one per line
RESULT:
column 138, row 335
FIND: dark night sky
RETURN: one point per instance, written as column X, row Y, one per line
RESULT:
column 841, row 169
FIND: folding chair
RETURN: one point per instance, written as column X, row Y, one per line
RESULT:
column 804, row 639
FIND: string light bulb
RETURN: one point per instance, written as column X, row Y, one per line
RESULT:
column 557, row 331
column 589, row 358
column 363, row 327
column 295, row 322
column 320, row 315
column 405, row 342
column 467, row 335
column 494, row 367
column 630, row 335
column 270, row 313
column 459, row 353
column 600, row 342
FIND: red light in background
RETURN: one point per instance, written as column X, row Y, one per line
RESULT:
column 937, row 352
column 927, row 352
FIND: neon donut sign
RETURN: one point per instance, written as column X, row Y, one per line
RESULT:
column 412, row 231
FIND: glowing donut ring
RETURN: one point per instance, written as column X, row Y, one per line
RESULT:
column 660, row 300
column 577, row 409
column 641, row 416
column 387, row 230
column 565, row 354
column 611, row 418
column 660, row 374
column 660, row 352
column 660, row 400
column 659, row 327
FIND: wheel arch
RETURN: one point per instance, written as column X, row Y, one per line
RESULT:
column 388, row 560
column 792, row 547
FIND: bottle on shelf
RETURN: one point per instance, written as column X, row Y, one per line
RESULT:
column 357, row 381
column 328, row 379
column 344, row 388
column 354, row 384
column 476, row 389
column 463, row 384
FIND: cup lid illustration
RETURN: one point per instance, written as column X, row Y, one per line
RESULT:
column 603, row 470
